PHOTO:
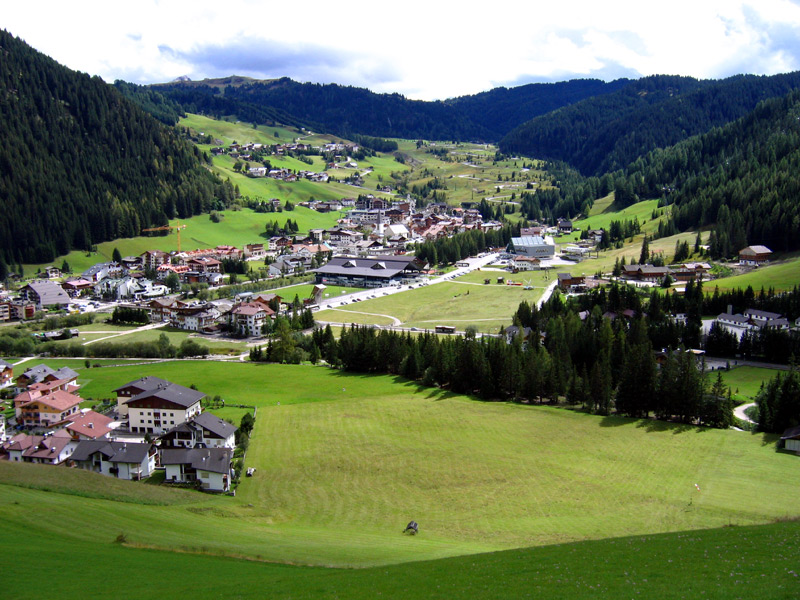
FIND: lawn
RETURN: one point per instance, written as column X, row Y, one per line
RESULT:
column 460, row 302
column 345, row 461
column 745, row 382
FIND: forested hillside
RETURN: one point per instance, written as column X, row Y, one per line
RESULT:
column 347, row 110
column 742, row 179
column 608, row 132
column 80, row 164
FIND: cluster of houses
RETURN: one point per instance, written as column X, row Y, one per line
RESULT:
column 753, row 320
column 158, row 424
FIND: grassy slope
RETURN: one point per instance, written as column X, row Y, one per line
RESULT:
column 746, row 381
column 739, row 562
column 781, row 276
column 355, row 457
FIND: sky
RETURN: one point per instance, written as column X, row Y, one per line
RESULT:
column 425, row 50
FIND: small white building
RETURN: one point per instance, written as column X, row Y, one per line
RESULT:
column 204, row 431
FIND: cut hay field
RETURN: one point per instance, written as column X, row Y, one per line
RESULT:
column 461, row 302
column 345, row 461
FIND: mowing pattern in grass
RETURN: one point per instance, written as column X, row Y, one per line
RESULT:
column 345, row 467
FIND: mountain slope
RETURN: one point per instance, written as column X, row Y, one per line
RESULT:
column 606, row 133
column 80, row 164
column 347, row 110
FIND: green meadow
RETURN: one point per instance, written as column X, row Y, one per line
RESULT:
column 345, row 461
column 782, row 275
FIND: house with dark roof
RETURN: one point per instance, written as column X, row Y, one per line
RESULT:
column 45, row 294
column 154, row 405
column 124, row 460
column 209, row 468
column 45, row 374
column 791, row 439
column 368, row 272
column 204, row 431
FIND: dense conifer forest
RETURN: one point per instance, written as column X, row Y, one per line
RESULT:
column 80, row 164
column 606, row 133
column 347, row 110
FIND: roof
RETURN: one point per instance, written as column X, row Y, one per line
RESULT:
column 755, row 250
column 40, row 372
column 155, row 387
column 215, row 460
column 791, row 433
column 529, row 240
column 5, row 365
column 730, row 317
column 47, row 447
column 115, row 452
column 384, row 267
column 761, row 314
column 59, row 400
column 215, row 425
column 90, row 424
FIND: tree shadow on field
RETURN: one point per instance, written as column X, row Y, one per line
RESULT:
column 656, row 426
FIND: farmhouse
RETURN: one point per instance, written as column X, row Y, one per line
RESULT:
column 754, row 255
column 154, row 405
column 208, row 467
column 204, row 431
column 531, row 246
column 571, row 283
column 367, row 272
column 646, row 272
column 123, row 460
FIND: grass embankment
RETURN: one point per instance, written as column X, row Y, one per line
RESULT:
column 758, row 563
column 345, row 461
column 783, row 275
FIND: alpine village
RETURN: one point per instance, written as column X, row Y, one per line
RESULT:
column 298, row 340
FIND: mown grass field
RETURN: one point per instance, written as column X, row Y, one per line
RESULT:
column 345, row 461
column 460, row 302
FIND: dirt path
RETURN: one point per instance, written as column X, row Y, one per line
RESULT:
column 143, row 328
column 395, row 321
column 740, row 414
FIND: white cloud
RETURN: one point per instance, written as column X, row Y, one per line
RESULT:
column 421, row 49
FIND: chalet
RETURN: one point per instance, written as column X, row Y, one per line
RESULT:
column 526, row 263
column 45, row 374
column 254, row 251
column 5, row 311
column 210, row 468
column 647, row 272
column 193, row 317
column 531, row 231
column 161, row 309
column 6, row 374
column 45, row 294
column 45, row 404
column 204, row 431
column 571, row 283
column 754, row 255
column 101, row 271
column 691, row 271
column 124, row 460
column 48, row 449
column 76, row 286
column 204, row 264
column 367, row 272
column 564, row 226
column 248, row 318
column 154, row 405
column 52, row 272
